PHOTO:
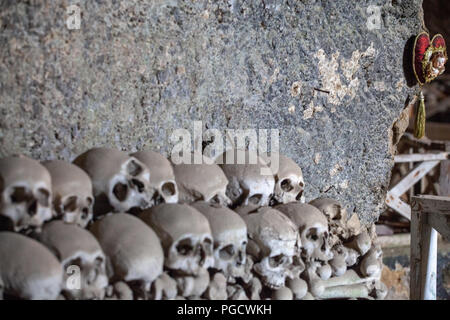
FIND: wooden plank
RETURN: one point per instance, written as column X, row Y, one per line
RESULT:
column 441, row 223
column 398, row 205
column 434, row 204
column 419, row 157
column 444, row 176
column 411, row 178
column 421, row 280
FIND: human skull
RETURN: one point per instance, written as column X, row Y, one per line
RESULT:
column 121, row 183
column 229, row 232
column 185, row 236
column 289, row 182
column 162, row 176
column 274, row 244
column 77, row 250
column 28, row 269
column 201, row 182
column 313, row 229
column 26, row 192
column 336, row 215
column 73, row 200
column 133, row 250
column 247, row 183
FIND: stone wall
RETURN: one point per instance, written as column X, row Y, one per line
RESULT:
column 137, row 70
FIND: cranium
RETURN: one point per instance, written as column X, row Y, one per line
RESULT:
column 28, row 269
column 77, row 250
column 229, row 232
column 26, row 191
column 121, row 183
column 162, row 176
column 204, row 182
column 313, row 229
column 274, row 244
column 289, row 182
column 185, row 236
column 336, row 215
column 248, row 183
column 133, row 250
column 73, row 200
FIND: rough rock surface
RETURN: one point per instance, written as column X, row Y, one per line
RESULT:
column 136, row 70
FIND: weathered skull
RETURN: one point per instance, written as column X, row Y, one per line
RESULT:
column 201, row 182
column 247, row 183
column 229, row 232
column 162, row 176
column 28, row 269
column 121, row 183
column 73, row 200
column 313, row 229
column 77, row 250
column 336, row 215
column 133, row 250
column 289, row 183
column 26, row 192
column 185, row 236
column 274, row 244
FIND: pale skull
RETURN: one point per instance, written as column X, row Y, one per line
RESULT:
column 80, row 255
column 289, row 182
column 26, row 193
column 121, row 183
column 162, row 176
column 201, row 182
column 229, row 232
column 313, row 228
column 73, row 199
column 28, row 269
column 249, row 181
column 185, row 236
column 274, row 245
column 133, row 251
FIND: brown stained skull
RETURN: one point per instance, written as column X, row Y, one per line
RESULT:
column 185, row 236
column 201, row 182
column 73, row 200
column 162, row 176
column 26, row 193
column 28, row 269
column 77, row 247
column 133, row 251
column 121, row 183
column 289, row 182
column 274, row 244
column 229, row 232
column 248, row 181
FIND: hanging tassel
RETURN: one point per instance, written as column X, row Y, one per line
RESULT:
column 419, row 125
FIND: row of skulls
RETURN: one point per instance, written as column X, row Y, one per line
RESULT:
column 138, row 226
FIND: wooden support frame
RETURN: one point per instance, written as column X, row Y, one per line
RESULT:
column 430, row 214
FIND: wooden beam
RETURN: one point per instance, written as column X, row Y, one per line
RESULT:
column 441, row 223
column 412, row 177
column 419, row 157
column 444, row 176
column 433, row 204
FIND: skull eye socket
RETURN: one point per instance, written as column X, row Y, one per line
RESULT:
column 20, row 194
column 120, row 191
column 89, row 201
column 312, row 234
column 168, row 189
column 43, row 197
column 138, row 184
column 277, row 260
column 133, row 168
column 70, row 204
column 184, row 247
column 255, row 199
column 286, row 185
column 226, row 253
